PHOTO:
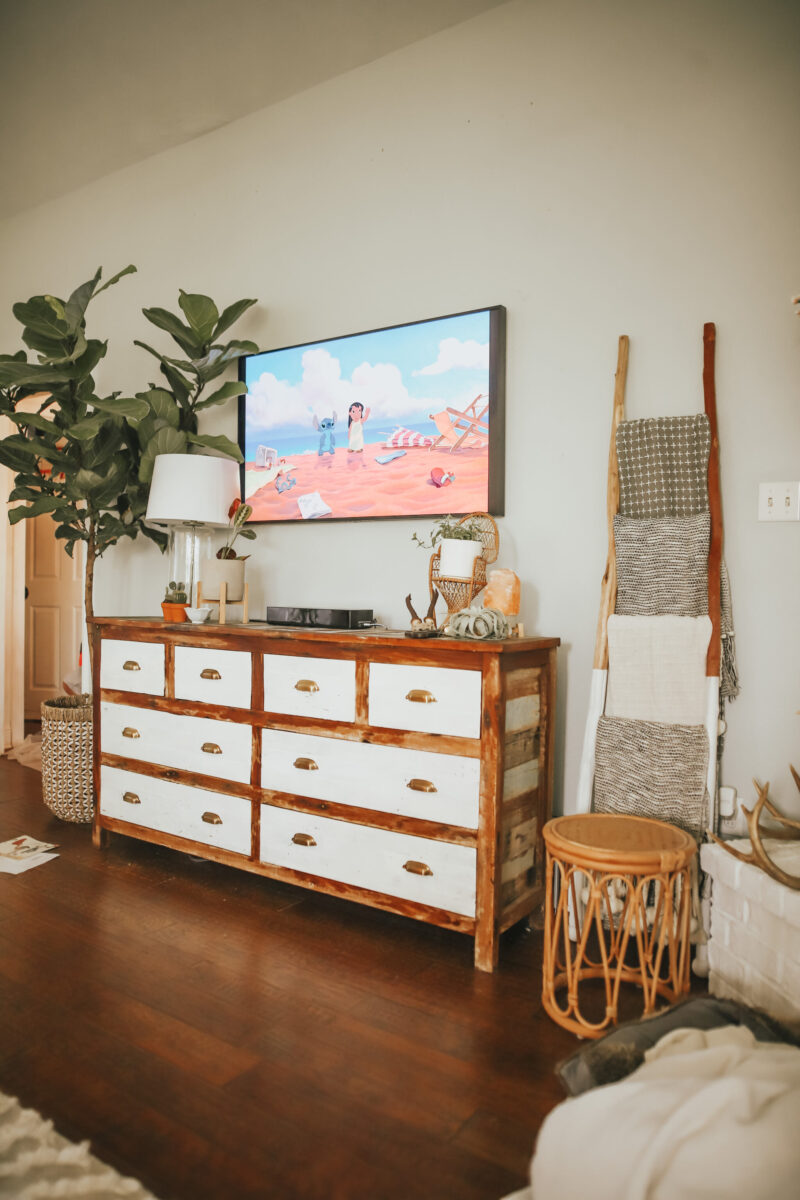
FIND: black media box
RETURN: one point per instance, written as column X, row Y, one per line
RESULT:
column 322, row 618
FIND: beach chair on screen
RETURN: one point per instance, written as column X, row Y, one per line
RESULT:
column 456, row 426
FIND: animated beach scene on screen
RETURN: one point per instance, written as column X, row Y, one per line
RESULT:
column 391, row 423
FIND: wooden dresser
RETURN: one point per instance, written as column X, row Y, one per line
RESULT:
column 412, row 775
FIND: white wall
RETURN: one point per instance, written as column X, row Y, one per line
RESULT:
column 625, row 167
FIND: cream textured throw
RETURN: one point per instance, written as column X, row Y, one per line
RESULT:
column 657, row 668
column 710, row 1115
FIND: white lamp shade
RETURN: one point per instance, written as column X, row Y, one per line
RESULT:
column 192, row 488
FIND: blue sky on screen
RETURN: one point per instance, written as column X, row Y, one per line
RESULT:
column 401, row 374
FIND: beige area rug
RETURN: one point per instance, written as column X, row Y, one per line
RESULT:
column 36, row 1163
column 29, row 752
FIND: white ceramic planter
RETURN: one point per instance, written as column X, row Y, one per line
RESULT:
column 457, row 556
column 213, row 571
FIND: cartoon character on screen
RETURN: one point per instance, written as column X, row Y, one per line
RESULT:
column 327, row 439
column 357, row 415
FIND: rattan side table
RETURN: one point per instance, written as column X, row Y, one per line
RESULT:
column 617, row 910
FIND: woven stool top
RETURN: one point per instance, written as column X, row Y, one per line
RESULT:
column 615, row 840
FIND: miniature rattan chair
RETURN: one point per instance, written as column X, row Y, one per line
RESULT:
column 459, row 593
column 617, row 911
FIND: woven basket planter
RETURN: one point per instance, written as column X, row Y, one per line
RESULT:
column 67, row 757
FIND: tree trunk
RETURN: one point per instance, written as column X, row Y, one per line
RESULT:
column 87, row 594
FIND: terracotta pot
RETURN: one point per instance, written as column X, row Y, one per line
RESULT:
column 213, row 571
column 173, row 613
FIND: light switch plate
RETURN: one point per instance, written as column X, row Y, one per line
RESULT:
column 779, row 501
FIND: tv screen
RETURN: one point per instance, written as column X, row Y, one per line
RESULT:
column 406, row 421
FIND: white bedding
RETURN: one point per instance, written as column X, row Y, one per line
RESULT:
column 710, row 1114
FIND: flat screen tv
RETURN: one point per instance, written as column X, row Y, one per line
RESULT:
column 407, row 421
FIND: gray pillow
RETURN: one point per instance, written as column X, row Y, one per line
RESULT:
column 621, row 1051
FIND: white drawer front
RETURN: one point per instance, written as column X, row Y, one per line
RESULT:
column 201, row 816
column 310, row 687
column 371, row 858
column 425, row 699
column 132, row 666
column 172, row 740
column 213, row 676
column 414, row 783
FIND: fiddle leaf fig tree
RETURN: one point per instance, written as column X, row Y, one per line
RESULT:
column 71, row 450
column 170, row 425
column 87, row 460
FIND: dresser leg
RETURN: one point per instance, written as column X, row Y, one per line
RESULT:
column 100, row 836
column 487, row 946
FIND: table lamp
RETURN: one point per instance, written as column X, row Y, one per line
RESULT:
column 190, row 493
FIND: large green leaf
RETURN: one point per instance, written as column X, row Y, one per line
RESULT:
column 36, row 447
column 183, row 334
column 201, row 312
column 165, row 441
column 45, row 504
column 16, row 459
column 129, row 270
column 87, row 429
column 234, row 388
column 216, row 442
column 180, row 386
column 87, row 362
column 98, row 454
column 162, row 406
column 15, row 373
column 43, row 315
column 75, row 307
column 35, row 421
column 54, row 350
column 231, row 314
column 123, row 406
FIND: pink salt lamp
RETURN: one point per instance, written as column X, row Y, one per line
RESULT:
column 502, row 591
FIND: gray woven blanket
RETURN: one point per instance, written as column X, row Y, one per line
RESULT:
column 647, row 769
column 662, row 565
column 663, row 466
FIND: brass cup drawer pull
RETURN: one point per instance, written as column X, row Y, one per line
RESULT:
column 306, row 685
column 420, row 696
column 210, row 673
column 417, row 868
column 212, row 818
column 305, row 764
column 303, row 839
column 131, row 798
column 131, row 665
column 421, row 785
column 211, row 748
column 130, row 732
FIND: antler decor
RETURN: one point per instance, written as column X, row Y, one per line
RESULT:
column 758, row 855
column 423, row 626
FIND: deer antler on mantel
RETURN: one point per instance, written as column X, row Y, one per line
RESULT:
column 758, row 855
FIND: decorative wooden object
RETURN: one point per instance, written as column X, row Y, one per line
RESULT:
column 758, row 855
column 608, row 586
column 413, row 776
column 624, row 883
column 223, row 601
column 459, row 593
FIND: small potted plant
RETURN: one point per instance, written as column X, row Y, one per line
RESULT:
column 227, row 566
column 173, row 606
column 460, row 544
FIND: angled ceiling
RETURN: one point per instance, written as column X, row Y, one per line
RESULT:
column 91, row 86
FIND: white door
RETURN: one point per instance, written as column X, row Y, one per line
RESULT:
column 54, row 583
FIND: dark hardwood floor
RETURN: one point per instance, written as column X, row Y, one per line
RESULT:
column 219, row 1035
